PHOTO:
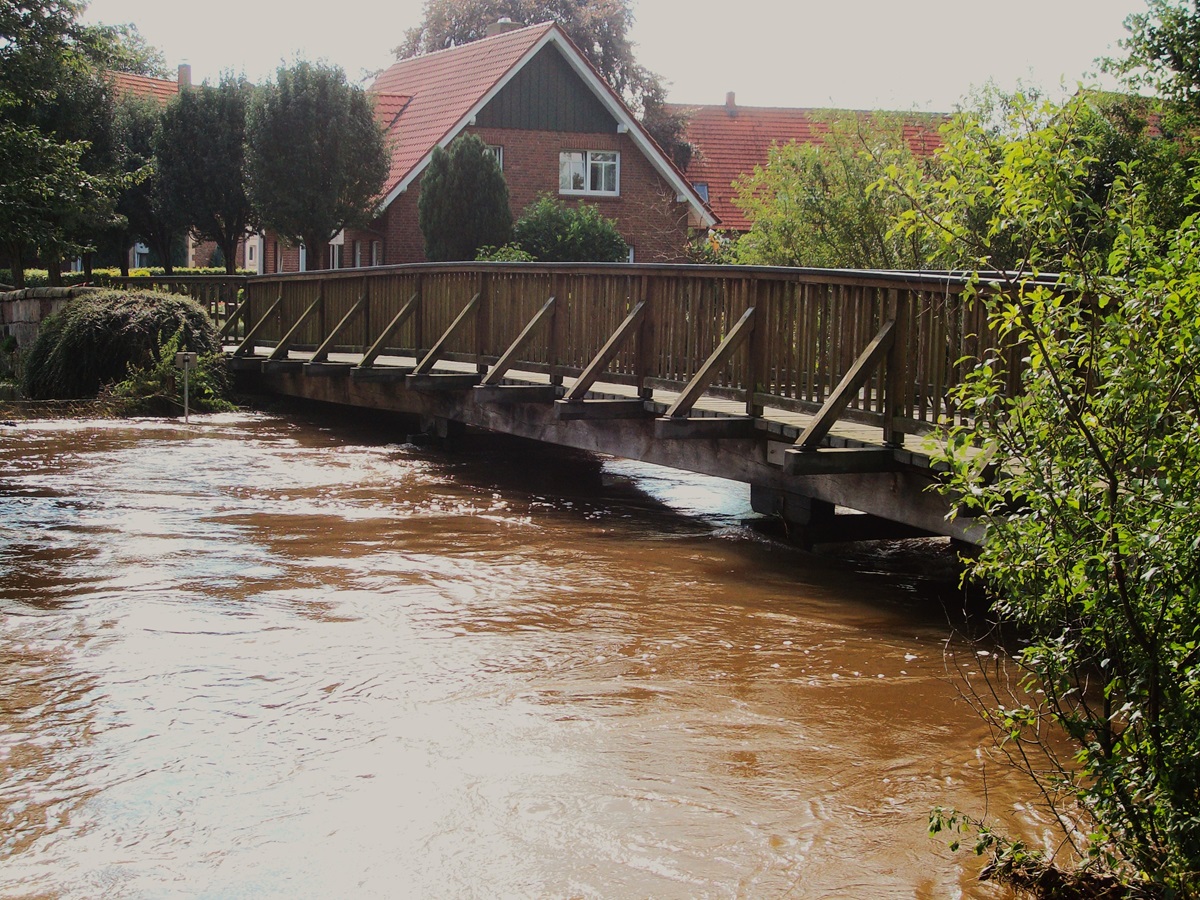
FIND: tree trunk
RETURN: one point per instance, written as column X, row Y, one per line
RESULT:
column 87, row 266
column 54, row 270
column 18, row 265
column 229, row 251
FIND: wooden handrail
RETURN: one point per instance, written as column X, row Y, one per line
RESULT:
column 657, row 326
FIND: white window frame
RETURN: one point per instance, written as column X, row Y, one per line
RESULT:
column 589, row 167
column 376, row 253
column 303, row 259
column 497, row 152
column 358, row 254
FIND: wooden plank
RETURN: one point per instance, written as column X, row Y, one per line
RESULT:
column 510, row 355
column 399, row 319
column 281, row 349
column 247, row 343
column 435, row 353
column 712, row 366
column 322, row 353
column 845, row 391
column 596, row 367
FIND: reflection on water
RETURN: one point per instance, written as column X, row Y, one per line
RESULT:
column 255, row 657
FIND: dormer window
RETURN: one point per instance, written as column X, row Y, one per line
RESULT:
column 589, row 172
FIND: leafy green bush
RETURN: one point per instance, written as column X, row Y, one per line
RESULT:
column 506, row 253
column 156, row 389
column 98, row 338
column 552, row 231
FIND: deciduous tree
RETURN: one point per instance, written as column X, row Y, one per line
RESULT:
column 316, row 159
column 200, row 152
column 1089, row 488
column 815, row 204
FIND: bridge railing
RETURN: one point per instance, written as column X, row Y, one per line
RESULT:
column 887, row 347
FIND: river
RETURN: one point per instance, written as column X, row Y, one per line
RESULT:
column 269, row 656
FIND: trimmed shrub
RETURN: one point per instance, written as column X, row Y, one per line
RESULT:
column 98, row 338
column 464, row 202
column 551, row 231
column 35, row 278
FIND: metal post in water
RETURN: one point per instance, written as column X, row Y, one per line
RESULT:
column 187, row 362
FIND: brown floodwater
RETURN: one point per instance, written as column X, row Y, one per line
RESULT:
column 261, row 656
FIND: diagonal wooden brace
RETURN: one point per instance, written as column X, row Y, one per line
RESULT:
column 435, row 353
column 611, row 348
column 281, row 349
column 322, row 353
column 849, row 386
column 703, row 378
column 506, row 361
column 400, row 318
column 247, row 343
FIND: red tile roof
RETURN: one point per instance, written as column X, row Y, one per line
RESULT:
column 441, row 89
column 159, row 89
column 731, row 140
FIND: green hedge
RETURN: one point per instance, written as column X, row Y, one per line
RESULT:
column 41, row 278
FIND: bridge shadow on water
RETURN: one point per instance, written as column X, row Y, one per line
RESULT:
column 920, row 579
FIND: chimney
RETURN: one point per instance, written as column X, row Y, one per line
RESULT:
column 185, row 76
column 502, row 26
column 730, row 105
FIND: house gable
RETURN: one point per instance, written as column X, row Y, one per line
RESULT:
column 547, row 95
column 451, row 88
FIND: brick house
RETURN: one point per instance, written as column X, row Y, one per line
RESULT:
column 555, row 126
column 730, row 140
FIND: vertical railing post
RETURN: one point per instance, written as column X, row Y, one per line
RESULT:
column 644, row 359
column 419, row 319
column 483, row 320
column 896, row 383
column 757, row 365
column 557, row 324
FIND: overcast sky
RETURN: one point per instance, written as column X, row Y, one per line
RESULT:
column 883, row 54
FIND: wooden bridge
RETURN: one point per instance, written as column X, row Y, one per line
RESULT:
column 818, row 388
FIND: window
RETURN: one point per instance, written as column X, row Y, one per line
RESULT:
column 335, row 256
column 278, row 258
column 358, row 254
column 498, row 153
column 376, row 253
column 701, row 189
column 303, row 259
column 589, row 172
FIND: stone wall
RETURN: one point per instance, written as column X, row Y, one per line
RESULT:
column 22, row 312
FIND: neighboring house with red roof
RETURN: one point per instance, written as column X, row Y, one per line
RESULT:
column 555, row 126
column 730, row 140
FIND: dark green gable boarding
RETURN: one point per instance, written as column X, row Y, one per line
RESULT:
column 547, row 95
